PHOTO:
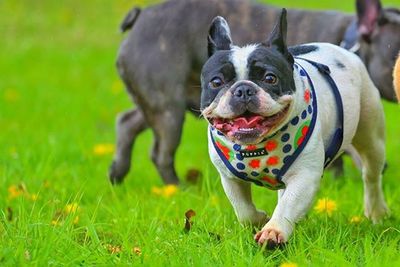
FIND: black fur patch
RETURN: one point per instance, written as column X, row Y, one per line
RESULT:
column 302, row 49
column 219, row 65
column 265, row 60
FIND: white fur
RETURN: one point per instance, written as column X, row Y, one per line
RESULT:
column 363, row 128
column 239, row 60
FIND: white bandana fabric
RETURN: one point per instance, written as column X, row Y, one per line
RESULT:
column 265, row 163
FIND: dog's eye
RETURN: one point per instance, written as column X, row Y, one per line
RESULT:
column 216, row 82
column 270, row 78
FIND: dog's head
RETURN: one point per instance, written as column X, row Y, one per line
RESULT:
column 247, row 92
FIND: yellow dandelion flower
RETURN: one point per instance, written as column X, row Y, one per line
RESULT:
column 114, row 249
column 288, row 264
column 170, row 190
column 355, row 219
column 55, row 222
column 103, row 149
column 14, row 191
column 33, row 197
column 157, row 190
column 325, row 205
column 165, row 191
column 71, row 208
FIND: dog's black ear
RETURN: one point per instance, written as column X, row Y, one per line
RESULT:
column 368, row 13
column 277, row 38
column 219, row 36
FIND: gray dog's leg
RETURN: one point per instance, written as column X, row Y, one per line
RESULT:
column 129, row 125
column 167, row 135
column 337, row 167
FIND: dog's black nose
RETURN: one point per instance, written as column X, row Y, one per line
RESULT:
column 244, row 92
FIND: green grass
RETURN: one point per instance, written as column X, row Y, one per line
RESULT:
column 59, row 94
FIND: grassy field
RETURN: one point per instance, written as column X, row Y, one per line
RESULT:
column 59, row 94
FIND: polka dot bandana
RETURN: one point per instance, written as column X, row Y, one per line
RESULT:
column 265, row 163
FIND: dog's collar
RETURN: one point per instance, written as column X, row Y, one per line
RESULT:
column 265, row 163
column 350, row 39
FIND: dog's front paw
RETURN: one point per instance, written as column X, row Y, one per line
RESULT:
column 117, row 171
column 271, row 237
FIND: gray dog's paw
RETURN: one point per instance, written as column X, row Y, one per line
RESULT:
column 117, row 172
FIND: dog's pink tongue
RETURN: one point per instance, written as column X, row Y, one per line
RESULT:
column 247, row 122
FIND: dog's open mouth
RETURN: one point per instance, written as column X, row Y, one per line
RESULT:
column 249, row 126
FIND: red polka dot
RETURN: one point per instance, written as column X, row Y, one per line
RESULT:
column 255, row 163
column 272, row 160
column 271, row 145
column 301, row 139
column 269, row 180
column 307, row 96
column 251, row 147
column 304, row 130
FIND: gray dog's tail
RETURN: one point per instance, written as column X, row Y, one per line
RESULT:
column 130, row 19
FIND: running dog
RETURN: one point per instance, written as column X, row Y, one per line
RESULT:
column 278, row 116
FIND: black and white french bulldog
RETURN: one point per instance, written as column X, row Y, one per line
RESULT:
column 277, row 116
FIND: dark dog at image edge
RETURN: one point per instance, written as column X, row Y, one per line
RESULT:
column 278, row 116
column 161, row 58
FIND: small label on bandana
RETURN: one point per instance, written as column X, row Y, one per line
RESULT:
column 254, row 153
column 265, row 163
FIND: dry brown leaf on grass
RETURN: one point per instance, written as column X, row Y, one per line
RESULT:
column 193, row 176
column 188, row 223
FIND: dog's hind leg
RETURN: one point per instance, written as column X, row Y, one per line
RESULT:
column 167, row 128
column 369, row 141
column 129, row 124
column 337, row 167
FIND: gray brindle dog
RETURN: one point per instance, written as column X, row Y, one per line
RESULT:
column 161, row 59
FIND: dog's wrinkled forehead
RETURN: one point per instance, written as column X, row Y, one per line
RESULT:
column 240, row 57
